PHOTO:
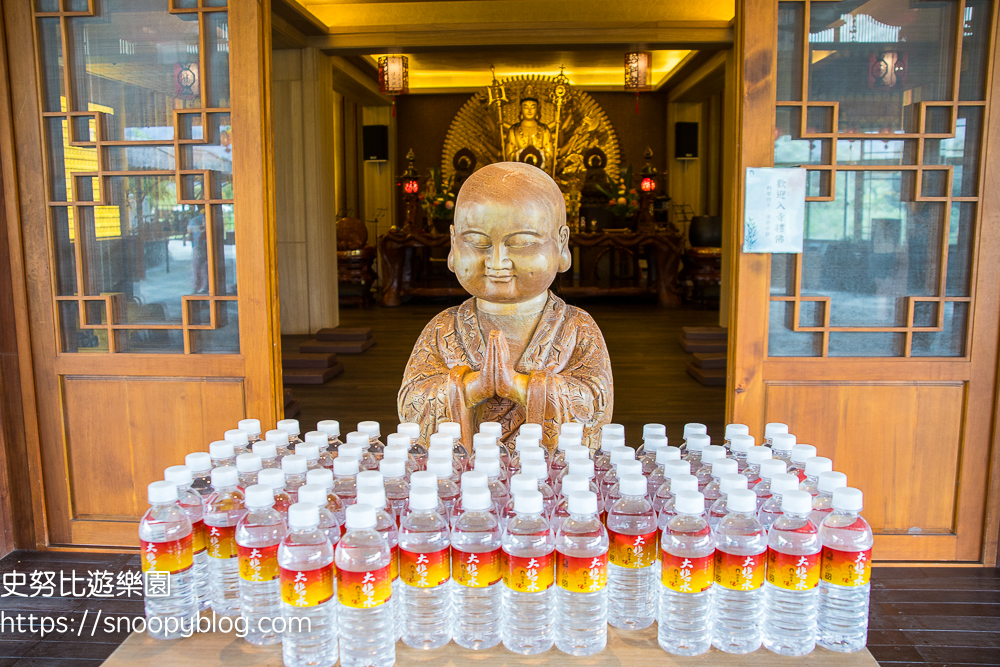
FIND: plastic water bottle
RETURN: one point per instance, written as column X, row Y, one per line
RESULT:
column 519, row 483
column 324, row 478
column 193, row 505
column 200, row 464
column 658, row 475
column 247, row 467
column 317, row 495
column 631, row 575
column 527, row 453
column 363, row 442
column 422, row 479
column 602, row 459
column 536, row 469
column 650, row 431
column 800, row 454
column 696, row 444
column 582, row 578
column 527, row 625
column 306, row 571
column 567, row 438
column 627, row 467
column 692, row 428
column 768, row 469
column 425, row 571
column 322, row 443
column 459, row 452
column 397, row 489
column 731, row 430
column 223, row 510
column 477, row 591
column 398, row 444
column 268, row 453
column 771, row 509
column 295, row 469
column 572, row 484
column 651, row 444
column 678, row 483
column 790, row 586
column 275, row 479
column 755, row 457
column 708, row 456
column 240, row 440
column 309, row 450
column 687, row 552
column 485, row 445
column 417, row 449
column 258, row 535
column 471, row 479
column 447, row 488
column 740, row 551
column 523, row 443
column 252, row 429
column 711, row 490
column 281, row 441
column 222, row 454
column 385, row 524
column 664, row 491
column 781, row 447
column 617, row 455
column 571, row 454
column 364, row 587
column 584, row 468
column 291, row 427
column 739, row 447
column 823, row 501
column 772, row 429
column 815, row 466
column 166, row 542
column 720, row 508
column 332, row 429
column 490, row 470
column 374, row 432
column 345, row 478
column 845, row 574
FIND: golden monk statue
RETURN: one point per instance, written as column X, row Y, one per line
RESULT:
column 514, row 352
column 529, row 139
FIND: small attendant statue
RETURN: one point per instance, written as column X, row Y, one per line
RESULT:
column 514, row 352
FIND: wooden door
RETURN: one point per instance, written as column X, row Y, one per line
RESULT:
column 138, row 198
column 878, row 344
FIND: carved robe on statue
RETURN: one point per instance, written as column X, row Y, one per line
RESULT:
column 566, row 359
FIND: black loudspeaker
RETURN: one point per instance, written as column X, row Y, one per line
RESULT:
column 685, row 141
column 375, row 140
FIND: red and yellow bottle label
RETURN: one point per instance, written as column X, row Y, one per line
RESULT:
column 258, row 563
column 846, row 568
column 687, row 575
column 222, row 541
column 307, row 588
column 582, row 575
column 171, row 557
column 793, row 573
column 394, row 562
column 199, row 536
column 362, row 590
column 632, row 550
column 424, row 570
column 529, row 574
column 475, row 570
column 739, row 573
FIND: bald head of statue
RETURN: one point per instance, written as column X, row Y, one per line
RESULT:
column 509, row 238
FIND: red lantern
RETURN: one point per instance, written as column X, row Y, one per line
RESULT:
column 411, row 186
column 648, row 184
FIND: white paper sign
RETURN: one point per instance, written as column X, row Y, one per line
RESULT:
column 775, row 210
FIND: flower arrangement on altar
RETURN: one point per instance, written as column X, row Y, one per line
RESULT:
column 623, row 202
column 437, row 199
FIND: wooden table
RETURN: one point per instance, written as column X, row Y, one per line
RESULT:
column 405, row 261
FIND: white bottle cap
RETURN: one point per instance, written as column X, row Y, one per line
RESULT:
column 440, row 452
column 318, row 438
column 528, row 502
column 572, row 483
column 260, row 495
column 237, row 437
column 277, row 436
column 782, row 442
column 294, row 464
column 476, row 497
column 410, row 429
column 423, row 478
column 370, row 428
column 831, row 480
column 694, row 428
column 272, row 477
column 537, row 469
column 712, row 452
column 487, row 465
column 784, row 483
column 689, row 502
column 736, row 429
column 680, row 483
column 398, row 439
column 724, row 467
column 697, row 442
column 802, row 452
column 224, row 476
column 632, row 485
column 522, row 482
column 574, row 428
column 315, row 494
column 329, row 426
column 772, row 429
column 577, row 452
column 266, row 450
column 392, row 466
column 342, row 465
column 358, row 438
column 758, row 455
column 289, row 426
column 423, row 498
column 653, row 429
column 848, row 499
column 621, row 454
column 673, row 468
column 523, row 442
column 611, row 440
column 613, row 429
column 401, row 452
column 582, row 502
column 251, row 426
column 655, row 442
column 582, row 467
column 162, row 492
column 741, row 500
column 474, row 478
column 494, row 429
column 181, row 475
column 371, row 495
column 441, row 440
column 628, row 467
column 370, row 478
column 441, row 467
column 530, row 430
column 358, row 516
column 487, row 449
column 818, row 465
column 771, row 467
column 220, row 449
column 731, row 482
column 568, row 440
column 741, row 443
column 452, row 429
column 533, row 454
column 350, row 451
column 304, row 515
column 796, row 502
column 248, row 463
column 318, row 477
column 198, row 461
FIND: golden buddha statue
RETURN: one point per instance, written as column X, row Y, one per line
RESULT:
column 514, row 352
column 529, row 139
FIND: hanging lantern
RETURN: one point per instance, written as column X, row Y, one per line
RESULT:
column 638, row 73
column 394, row 77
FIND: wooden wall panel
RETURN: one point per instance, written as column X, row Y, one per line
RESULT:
column 899, row 443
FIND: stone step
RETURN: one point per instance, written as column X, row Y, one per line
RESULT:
column 297, row 376
column 292, row 410
column 692, row 346
column 705, row 333
column 336, row 347
column 345, row 334
column 710, row 377
column 308, row 360
column 710, row 359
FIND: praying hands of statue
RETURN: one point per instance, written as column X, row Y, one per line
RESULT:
column 497, row 377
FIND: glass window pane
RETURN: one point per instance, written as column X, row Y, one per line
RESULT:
column 215, row 156
column 139, row 158
column 217, row 59
column 149, row 341
column 877, row 152
column 225, row 338
column 925, row 313
column 782, row 341
column 789, row 79
column 950, row 342
column 782, row 275
column 50, row 48
column 975, row 46
column 962, row 151
column 223, row 226
column 863, row 344
column 64, row 255
column 811, row 313
column 960, row 237
column 789, row 149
